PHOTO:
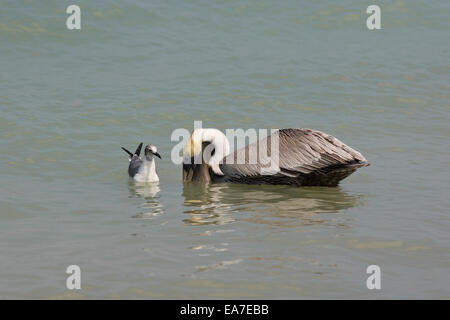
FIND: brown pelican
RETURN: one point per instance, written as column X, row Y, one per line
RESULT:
column 305, row 158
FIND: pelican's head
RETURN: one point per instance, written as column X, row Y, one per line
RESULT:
column 150, row 151
column 205, row 150
column 193, row 147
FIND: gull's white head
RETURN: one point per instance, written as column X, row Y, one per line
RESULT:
column 150, row 151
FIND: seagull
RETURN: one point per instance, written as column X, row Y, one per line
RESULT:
column 143, row 170
column 305, row 157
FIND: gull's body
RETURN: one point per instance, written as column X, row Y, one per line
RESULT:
column 143, row 170
column 306, row 158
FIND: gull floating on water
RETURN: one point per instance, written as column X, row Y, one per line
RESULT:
column 305, row 158
column 143, row 170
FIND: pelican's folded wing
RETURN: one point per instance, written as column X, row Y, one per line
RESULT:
column 310, row 151
column 291, row 153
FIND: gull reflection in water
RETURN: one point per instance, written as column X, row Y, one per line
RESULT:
column 151, row 207
column 272, row 205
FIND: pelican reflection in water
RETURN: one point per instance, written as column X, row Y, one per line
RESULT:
column 273, row 205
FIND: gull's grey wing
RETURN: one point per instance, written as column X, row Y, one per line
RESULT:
column 135, row 164
column 306, row 157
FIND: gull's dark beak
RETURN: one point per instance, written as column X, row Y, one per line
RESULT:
column 157, row 154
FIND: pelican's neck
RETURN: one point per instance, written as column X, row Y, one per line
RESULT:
column 218, row 141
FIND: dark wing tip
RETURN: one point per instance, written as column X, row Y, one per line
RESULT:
column 129, row 153
column 138, row 150
column 359, row 164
